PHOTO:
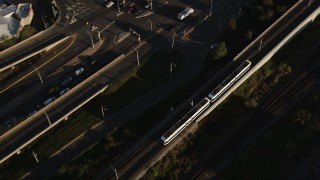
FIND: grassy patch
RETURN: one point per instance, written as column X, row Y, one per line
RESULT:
column 136, row 81
column 66, row 132
column 47, row 145
column 116, row 142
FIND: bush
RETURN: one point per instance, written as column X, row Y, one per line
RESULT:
column 27, row 32
column 219, row 51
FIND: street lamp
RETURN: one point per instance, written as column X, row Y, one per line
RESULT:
column 39, row 75
column 108, row 25
column 191, row 102
column 260, row 44
column 171, row 64
column 239, row 9
column 118, row 6
column 174, row 34
column 45, row 24
column 138, row 61
column 151, row 4
column 115, row 171
column 102, row 110
column 134, row 32
column 35, row 156
column 91, row 39
column 47, row 118
column 150, row 24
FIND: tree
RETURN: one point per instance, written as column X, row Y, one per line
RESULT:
column 267, row 2
column 232, row 25
column 248, row 35
column 281, row 9
column 219, row 51
column 27, row 32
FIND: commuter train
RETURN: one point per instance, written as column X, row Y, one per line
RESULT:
column 185, row 121
column 196, row 111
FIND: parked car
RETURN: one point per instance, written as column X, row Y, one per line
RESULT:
column 10, row 121
column 78, row 71
column 147, row 5
column 64, row 91
column 32, row 113
column 53, row 90
column 109, row 4
column 48, row 101
column 66, row 81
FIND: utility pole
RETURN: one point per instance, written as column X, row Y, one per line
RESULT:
column 150, row 24
column 239, row 9
column 260, row 44
column 174, row 34
column 171, row 64
column 104, row 29
column 47, row 118
column 115, row 171
column 102, row 110
column 39, row 75
column 91, row 39
column 138, row 60
column 35, row 156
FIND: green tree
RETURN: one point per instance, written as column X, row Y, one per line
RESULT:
column 269, row 14
column 219, row 51
column 232, row 25
column 267, row 2
column 281, row 9
column 248, row 35
column 27, row 32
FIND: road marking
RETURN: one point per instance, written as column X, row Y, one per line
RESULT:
column 39, row 67
column 61, row 59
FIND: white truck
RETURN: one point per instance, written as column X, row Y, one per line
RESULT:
column 185, row 13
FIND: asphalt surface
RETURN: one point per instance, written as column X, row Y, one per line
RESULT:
column 128, row 22
column 265, row 49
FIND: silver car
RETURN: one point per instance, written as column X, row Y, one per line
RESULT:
column 78, row 71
